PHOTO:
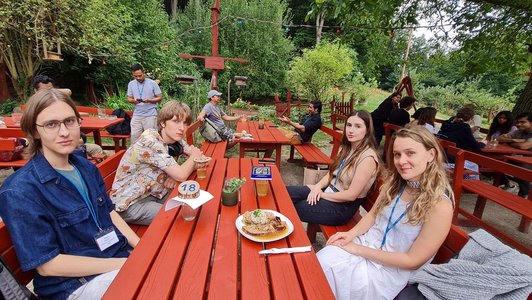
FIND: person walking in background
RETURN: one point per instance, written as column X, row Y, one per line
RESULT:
column 404, row 229
column 381, row 114
column 336, row 197
column 144, row 93
column 57, row 211
column 147, row 172
column 400, row 116
column 503, row 123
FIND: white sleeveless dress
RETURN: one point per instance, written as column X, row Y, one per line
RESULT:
column 354, row 277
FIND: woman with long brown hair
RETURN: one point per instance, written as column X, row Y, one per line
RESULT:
column 337, row 196
column 404, row 229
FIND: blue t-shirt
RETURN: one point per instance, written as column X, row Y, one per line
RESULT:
column 312, row 123
column 46, row 216
column 215, row 114
column 146, row 90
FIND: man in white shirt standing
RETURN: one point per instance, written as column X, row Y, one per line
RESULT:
column 144, row 93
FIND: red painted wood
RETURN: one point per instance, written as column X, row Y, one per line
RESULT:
column 194, row 272
column 254, row 275
column 224, row 274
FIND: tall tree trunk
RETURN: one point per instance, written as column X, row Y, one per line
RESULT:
column 524, row 103
column 320, row 19
column 4, row 88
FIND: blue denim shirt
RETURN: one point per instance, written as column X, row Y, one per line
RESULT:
column 46, row 216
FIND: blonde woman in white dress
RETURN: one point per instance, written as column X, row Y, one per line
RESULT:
column 404, row 229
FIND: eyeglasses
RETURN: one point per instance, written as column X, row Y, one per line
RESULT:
column 53, row 126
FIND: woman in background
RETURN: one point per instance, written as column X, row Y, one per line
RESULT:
column 427, row 118
column 381, row 114
column 502, row 123
column 337, row 196
column 404, row 229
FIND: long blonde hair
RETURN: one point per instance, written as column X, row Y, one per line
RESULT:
column 368, row 142
column 434, row 182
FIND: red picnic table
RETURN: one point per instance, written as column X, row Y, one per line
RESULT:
column 88, row 124
column 501, row 150
column 269, row 138
column 208, row 259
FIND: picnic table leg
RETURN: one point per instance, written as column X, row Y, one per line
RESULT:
column 278, row 156
column 97, row 137
column 479, row 207
column 525, row 222
column 242, row 149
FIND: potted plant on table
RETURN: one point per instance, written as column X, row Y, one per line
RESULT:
column 230, row 190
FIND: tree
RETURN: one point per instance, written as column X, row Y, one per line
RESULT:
column 247, row 29
column 320, row 69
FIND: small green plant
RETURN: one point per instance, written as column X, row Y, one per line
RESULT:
column 241, row 104
column 234, row 184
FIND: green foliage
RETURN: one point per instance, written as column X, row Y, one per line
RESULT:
column 118, row 100
column 264, row 44
column 7, row 106
column 241, row 104
column 234, row 184
column 320, row 69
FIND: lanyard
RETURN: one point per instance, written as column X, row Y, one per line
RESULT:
column 85, row 197
column 339, row 170
column 388, row 226
column 139, row 89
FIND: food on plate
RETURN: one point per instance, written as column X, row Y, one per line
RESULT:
column 260, row 222
column 189, row 189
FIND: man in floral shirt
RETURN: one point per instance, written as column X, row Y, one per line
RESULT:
column 147, row 173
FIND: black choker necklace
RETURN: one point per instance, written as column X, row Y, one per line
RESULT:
column 413, row 184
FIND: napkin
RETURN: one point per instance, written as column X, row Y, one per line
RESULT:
column 286, row 250
column 203, row 198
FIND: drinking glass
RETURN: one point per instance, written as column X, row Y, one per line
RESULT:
column 188, row 213
column 262, row 187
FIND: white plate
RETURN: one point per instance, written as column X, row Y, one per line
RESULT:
column 265, row 239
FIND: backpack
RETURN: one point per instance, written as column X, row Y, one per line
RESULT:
column 211, row 132
column 20, row 145
column 121, row 128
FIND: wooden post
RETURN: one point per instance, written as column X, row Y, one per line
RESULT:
column 410, row 33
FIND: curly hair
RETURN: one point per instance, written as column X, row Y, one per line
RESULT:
column 368, row 142
column 434, row 182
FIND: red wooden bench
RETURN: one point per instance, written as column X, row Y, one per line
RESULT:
column 486, row 191
column 10, row 144
column 214, row 150
column 312, row 155
column 7, row 250
column 108, row 169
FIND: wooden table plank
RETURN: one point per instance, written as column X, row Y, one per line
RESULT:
column 519, row 159
column 193, row 279
column 224, row 275
column 315, row 284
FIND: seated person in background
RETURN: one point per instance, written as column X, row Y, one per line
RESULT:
column 502, row 123
column 475, row 122
column 381, row 114
column 214, row 113
column 457, row 130
column 147, row 173
column 521, row 139
column 41, row 82
column 305, row 129
column 57, row 211
column 403, row 230
column 416, row 114
column 336, row 197
column 427, row 118
column 400, row 116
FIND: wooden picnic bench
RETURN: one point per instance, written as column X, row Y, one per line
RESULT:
column 486, row 191
column 7, row 250
column 312, row 155
column 9, row 145
column 108, row 169
column 119, row 140
column 214, row 150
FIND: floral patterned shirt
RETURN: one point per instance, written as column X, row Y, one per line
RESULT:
column 141, row 171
